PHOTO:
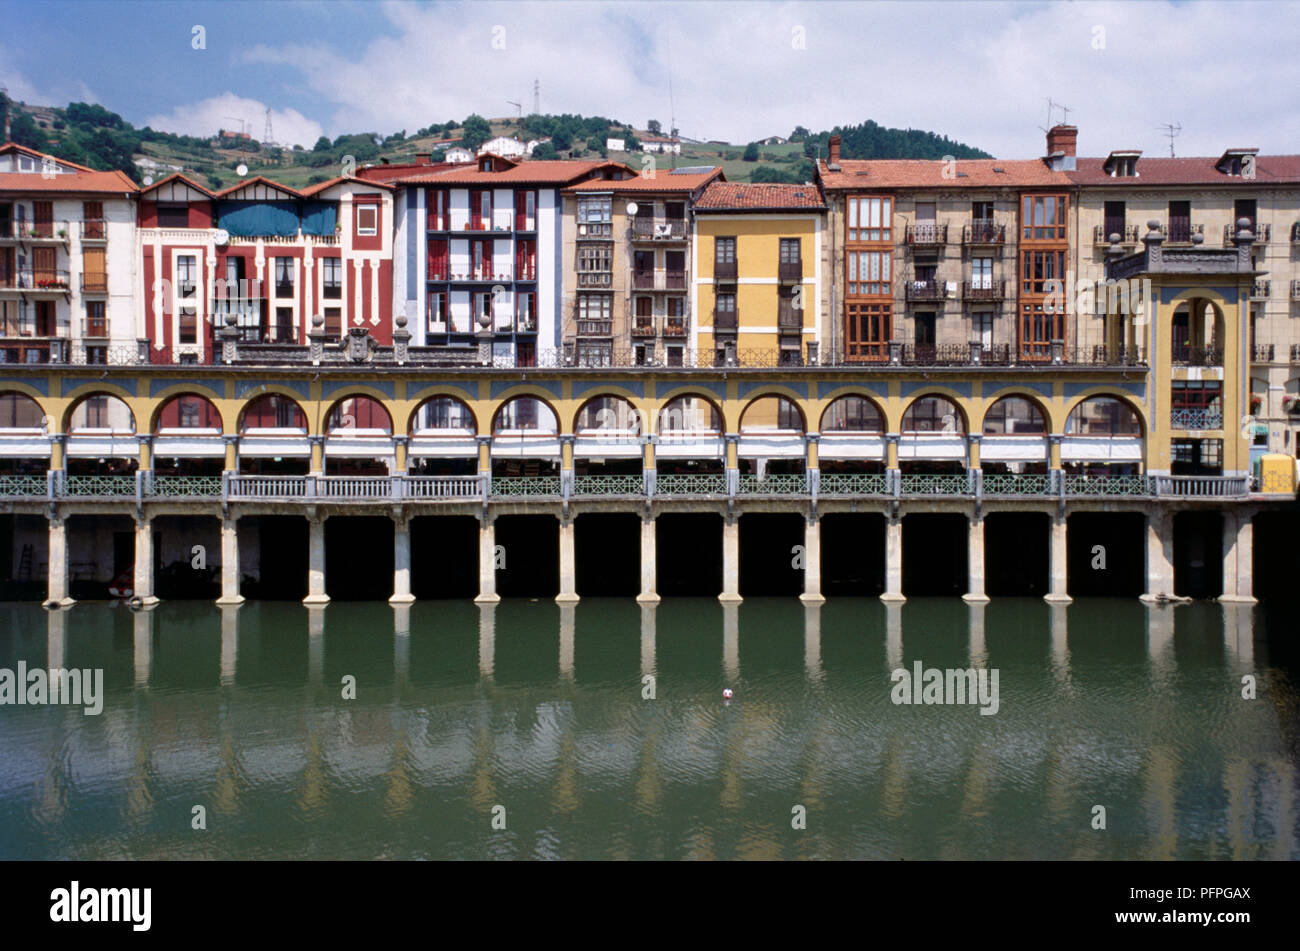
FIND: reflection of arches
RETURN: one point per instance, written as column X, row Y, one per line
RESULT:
column 444, row 414
column 853, row 414
column 272, row 411
column 690, row 413
column 772, row 413
column 19, row 411
column 1015, row 415
column 608, row 414
column 1103, row 416
column 187, row 411
column 103, row 412
column 934, row 414
column 526, row 413
column 358, row 412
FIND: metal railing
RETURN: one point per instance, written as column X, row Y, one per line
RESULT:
column 183, row 486
column 1197, row 356
column 913, row 483
column 1201, row 487
column 668, row 229
column 607, row 485
column 774, row 483
column 691, row 483
column 511, row 487
column 99, row 486
column 23, row 486
column 984, row 231
column 926, row 290
column 36, row 279
column 1085, row 485
column 1195, row 418
column 853, row 483
column 984, row 290
column 1181, row 231
column 922, row 233
column 1016, row 483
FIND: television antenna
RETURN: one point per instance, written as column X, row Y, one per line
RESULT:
column 1171, row 131
column 519, row 112
column 1051, row 107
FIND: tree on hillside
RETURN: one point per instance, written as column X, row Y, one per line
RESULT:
column 751, row 152
column 653, row 127
column 322, row 145
column 545, row 150
column 477, row 131
column 24, row 130
column 799, row 134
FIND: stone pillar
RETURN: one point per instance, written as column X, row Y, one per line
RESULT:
column 142, row 646
column 568, row 573
column 401, row 562
column 1160, row 563
column 316, row 562
column 567, row 617
column 487, row 639
column 57, row 593
column 812, row 641
column 1054, row 450
column 973, row 450
column 731, row 641
column 230, row 562
column 891, row 450
column 893, row 560
column 1058, row 574
column 1238, row 556
column 401, row 445
column 143, row 587
column 487, row 559
column 317, row 454
column 232, row 451
column 649, row 563
column 146, row 452
column 975, row 561
column 812, row 562
column 229, row 644
column 730, row 561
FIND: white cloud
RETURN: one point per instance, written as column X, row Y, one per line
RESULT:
column 978, row 72
column 204, row 118
column 55, row 89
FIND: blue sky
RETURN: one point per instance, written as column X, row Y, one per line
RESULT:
column 977, row 71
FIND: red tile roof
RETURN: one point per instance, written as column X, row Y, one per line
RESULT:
column 866, row 174
column 542, row 172
column 82, row 180
column 257, row 180
column 1269, row 170
column 663, row 180
column 319, row 187
column 759, row 196
column 174, row 175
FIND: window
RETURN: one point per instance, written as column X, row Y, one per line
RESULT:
column 94, row 275
column 981, row 273
column 925, row 330
column 334, row 322
column 186, row 283
column 869, row 330
column 594, row 210
column 92, row 216
column 283, row 277
column 525, row 210
column 173, row 215
column 284, row 325
column 981, row 212
column 526, row 311
column 1113, row 220
column 725, row 312
column 367, row 220
column 332, row 278
column 438, row 312
column 1243, row 208
column 594, row 306
column 869, row 273
column 871, row 219
column 789, row 251
column 439, row 261
column 11, row 319
column 593, row 353
column 1043, row 272
column 480, row 210
column 1043, row 218
column 526, row 260
column 438, row 201
column 1180, row 221
column 724, row 251
column 96, row 325
column 599, row 257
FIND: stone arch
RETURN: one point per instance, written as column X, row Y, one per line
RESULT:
column 445, row 406
column 275, row 409
column 1025, row 410
column 929, row 412
column 357, row 411
column 848, row 410
column 690, row 411
column 529, row 412
column 19, row 410
column 109, row 411
column 186, row 409
column 608, row 411
column 1101, row 401
column 775, row 405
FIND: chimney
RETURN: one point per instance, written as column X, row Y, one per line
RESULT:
column 833, row 161
column 1061, row 140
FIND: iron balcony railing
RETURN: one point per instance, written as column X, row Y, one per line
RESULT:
column 1261, row 289
column 691, row 483
column 184, row 486
column 925, row 234
column 782, row 483
column 926, row 290
column 1197, row 356
column 94, row 229
column 1195, row 418
column 513, row 487
column 912, row 483
column 647, row 228
column 1016, row 483
column 23, row 486
column 36, row 279
column 1108, row 486
column 99, row 486
column 1128, row 234
column 1262, row 233
column 984, row 290
column 643, row 326
column 1181, row 231
column 609, row 485
column 853, row 483
column 35, row 230
column 983, row 231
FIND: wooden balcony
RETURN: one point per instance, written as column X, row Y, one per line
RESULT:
column 789, row 270
column 788, row 318
column 725, row 319
column 595, row 279
column 643, row 326
column 724, row 270
column 595, row 328
column 983, row 232
column 659, row 280
column 665, row 230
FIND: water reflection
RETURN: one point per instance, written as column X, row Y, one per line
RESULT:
column 542, row 709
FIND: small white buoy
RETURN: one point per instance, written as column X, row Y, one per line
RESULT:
column 726, row 693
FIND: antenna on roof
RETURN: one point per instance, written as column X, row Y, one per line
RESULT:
column 1171, row 130
column 1065, row 114
column 519, row 112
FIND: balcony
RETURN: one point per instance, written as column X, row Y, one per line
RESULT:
column 789, row 270
column 1186, row 356
column 46, row 232
column 94, row 283
column 595, row 328
column 93, row 230
column 789, row 319
column 675, row 326
column 982, row 232
column 1262, row 353
column 33, row 281
column 659, row 280
column 645, row 228
column 598, row 230
column 926, row 290
column 925, row 235
column 1180, row 232
column 1262, row 234
column 480, row 276
column 94, row 328
column 983, row 290
column 774, row 483
column 1295, row 290
column 643, row 326
column 725, row 319
column 1195, row 418
column 724, row 270
column 1295, row 233
column 526, row 272
column 1128, row 234
column 595, row 278
column 1260, row 290
column 1201, row 487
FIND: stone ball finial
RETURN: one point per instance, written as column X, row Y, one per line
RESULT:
column 231, row 320
column 400, row 320
column 484, row 321
column 1153, row 225
column 318, row 321
column 1198, row 238
column 1243, row 223
column 1113, row 237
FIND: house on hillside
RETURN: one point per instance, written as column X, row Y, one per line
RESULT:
column 616, row 145
column 458, row 156
column 505, row 145
column 661, row 143
column 774, row 140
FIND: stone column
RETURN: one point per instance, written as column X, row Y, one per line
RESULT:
column 893, row 560
column 1238, row 556
column 316, row 562
column 812, row 562
column 891, row 450
column 975, row 561
column 568, row 580
column 812, row 641
column 1058, row 574
column 317, row 454
column 731, row 641
column 401, row 562
column 230, row 562
column 649, row 563
column 143, row 588
column 487, row 557
column 229, row 644
column 730, row 561
column 231, row 441
column 1160, row 545
column 142, row 646
column 145, row 451
column 487, row 640
column 567, row 626
column 57, row 594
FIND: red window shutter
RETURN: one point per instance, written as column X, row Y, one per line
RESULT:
column 521, row 206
